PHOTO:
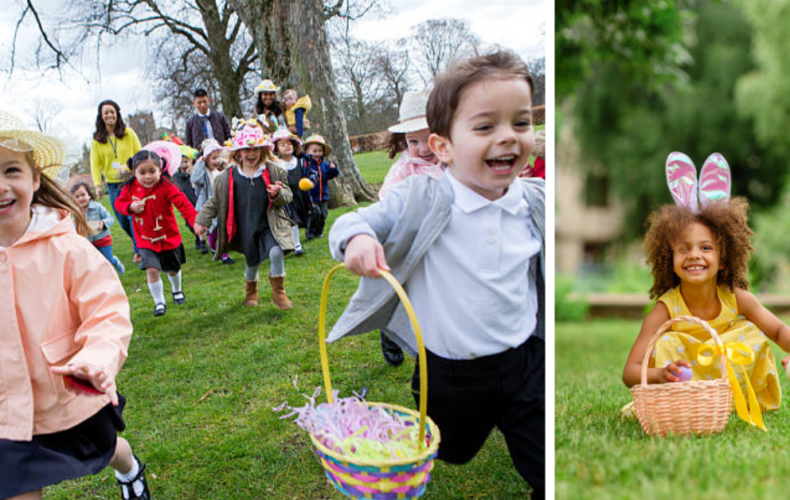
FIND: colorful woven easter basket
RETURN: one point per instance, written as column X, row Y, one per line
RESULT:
column 381, row 479
column 682, row 408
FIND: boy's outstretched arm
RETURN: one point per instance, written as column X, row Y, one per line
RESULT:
column 632, row 373
column 365, row 256
column 356, row 238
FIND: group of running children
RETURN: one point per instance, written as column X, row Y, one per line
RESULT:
column 454, row 223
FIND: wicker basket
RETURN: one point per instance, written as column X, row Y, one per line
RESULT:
column 682, row 408
column 380, row 479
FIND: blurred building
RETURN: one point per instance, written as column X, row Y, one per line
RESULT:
column 588, row 218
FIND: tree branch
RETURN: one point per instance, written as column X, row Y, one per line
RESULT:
column 330, row 12
column 60, row 57
column 13, row 43
column 236, row 28
column 173, row 24
column 247, row 59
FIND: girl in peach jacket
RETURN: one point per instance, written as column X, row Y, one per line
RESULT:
column 65, row 332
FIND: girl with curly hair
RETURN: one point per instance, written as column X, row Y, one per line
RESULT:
column 698, row 257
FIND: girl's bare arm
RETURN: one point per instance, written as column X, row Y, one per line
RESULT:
column 754, row 311
column 632, row 373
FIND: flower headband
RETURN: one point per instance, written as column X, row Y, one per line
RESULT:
column 714, row 181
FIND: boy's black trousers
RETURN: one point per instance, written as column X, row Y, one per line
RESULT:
column 467, row 398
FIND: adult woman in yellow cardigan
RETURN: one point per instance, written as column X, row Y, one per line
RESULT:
column 113, row 144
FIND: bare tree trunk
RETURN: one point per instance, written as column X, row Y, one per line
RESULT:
column 292, row 46
column 229, row 79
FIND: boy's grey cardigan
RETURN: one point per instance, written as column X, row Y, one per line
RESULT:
column 425, row 208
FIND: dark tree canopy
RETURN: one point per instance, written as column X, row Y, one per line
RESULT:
column 631, row 128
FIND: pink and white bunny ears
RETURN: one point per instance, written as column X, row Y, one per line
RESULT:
column 714, row 181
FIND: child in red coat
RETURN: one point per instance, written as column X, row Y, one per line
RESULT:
column 149, row 198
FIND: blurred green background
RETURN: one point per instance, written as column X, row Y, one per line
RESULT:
column 637, row 80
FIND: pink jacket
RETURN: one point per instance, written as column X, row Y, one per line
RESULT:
column 405, row 167
column 60, row 301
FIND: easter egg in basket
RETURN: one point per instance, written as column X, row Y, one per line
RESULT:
column 685, row 374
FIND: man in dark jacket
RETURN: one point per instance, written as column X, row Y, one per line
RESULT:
column 205, row 124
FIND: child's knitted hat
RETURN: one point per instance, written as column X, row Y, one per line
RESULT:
column 49, row 151
column 317, row 139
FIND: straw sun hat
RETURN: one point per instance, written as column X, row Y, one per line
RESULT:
column 48, row 151
column 266, row 86
column 318, row 139
column 412, row 116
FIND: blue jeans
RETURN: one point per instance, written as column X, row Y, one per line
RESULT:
column 113, row 190
column 112, row 259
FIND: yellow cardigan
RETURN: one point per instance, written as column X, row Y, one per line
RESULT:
column 103, row 156
column 302, row 102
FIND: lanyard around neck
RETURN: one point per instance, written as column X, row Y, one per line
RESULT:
column 114, row 146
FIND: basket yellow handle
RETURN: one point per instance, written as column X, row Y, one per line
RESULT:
column 417, row 333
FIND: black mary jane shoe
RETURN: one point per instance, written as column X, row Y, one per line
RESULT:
column 160, row 310
column 137, row 487
column 392, row 352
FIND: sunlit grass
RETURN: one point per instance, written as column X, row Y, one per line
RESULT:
column 202, row 380
column 600, row 456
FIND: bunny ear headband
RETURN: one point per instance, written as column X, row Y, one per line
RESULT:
column 714, row 181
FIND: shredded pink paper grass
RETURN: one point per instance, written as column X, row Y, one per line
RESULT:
column 351, row 427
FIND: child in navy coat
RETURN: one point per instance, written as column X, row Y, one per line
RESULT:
column 316, row 149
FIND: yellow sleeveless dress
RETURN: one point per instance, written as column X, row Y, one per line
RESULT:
column 683, row 340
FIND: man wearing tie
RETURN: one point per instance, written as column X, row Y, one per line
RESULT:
column 205, row 124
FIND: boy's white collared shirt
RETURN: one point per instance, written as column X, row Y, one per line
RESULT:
column 474, row 295
column 209, row 129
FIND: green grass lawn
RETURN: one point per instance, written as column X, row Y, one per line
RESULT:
column 374, row 166
column 202, row 380
column 599, row 456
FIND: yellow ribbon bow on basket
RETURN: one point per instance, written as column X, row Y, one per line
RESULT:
column 736, row 353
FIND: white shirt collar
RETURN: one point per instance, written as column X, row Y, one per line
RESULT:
column 257, row 173
column 206, row 115
column 469, row 201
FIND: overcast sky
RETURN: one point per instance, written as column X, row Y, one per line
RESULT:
column 514, row 24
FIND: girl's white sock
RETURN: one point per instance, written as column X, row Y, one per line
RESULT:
column 297, row 243
column 157, row 290
column 176, row 282
column 131, row 474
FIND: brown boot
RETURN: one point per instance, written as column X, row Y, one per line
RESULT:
column 251, row 293
column 278, row 293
